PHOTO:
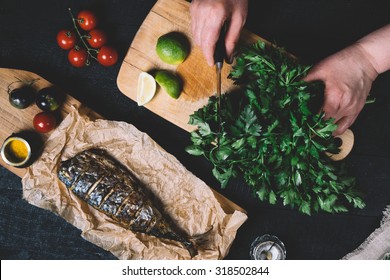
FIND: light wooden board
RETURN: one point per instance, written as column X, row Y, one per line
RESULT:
column 199, row 80
column 14, row 120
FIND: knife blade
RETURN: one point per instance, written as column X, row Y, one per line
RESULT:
column 219, row 56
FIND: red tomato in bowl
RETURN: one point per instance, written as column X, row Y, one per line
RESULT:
column 66, row 39
column 87, row 20
column 107, row 56
column 44, row 122
column 96, row 38
column 78, row 57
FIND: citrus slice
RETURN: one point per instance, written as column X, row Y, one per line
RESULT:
column 169, row 82
column 172, row 48
column 146, row 88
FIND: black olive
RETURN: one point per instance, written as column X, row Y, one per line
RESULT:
column 49, row 99
column 22, row 97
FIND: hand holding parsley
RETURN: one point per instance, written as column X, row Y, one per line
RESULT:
column 273, row 136
column 348, row 76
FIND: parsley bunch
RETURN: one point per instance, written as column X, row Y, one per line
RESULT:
column 272, row 137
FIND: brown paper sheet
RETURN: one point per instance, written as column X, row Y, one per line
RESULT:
column 188, row 200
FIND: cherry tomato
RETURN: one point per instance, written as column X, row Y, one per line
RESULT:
column 48, row 99
column 96, row 38
column 87, row 20
column 107, row 56
column 66, row 39
column 78, row 57
column 22, row 97
column 44, row 122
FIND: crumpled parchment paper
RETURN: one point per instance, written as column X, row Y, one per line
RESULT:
column 188, row 201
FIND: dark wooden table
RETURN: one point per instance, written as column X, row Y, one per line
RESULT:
column 309, row 29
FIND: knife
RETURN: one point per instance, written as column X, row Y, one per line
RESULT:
column 219, row 56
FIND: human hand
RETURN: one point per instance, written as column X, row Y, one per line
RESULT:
column 207, row 19
column 348, row 76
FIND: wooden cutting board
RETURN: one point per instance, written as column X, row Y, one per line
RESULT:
column 14, row 120
column 199, row 80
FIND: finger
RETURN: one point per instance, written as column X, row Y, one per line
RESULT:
column 195, row 22
column 233, row 33
column 331, row 105
column 343, row 124
column 194, row 31
column 209, row 37
column 237, row 22
column 312, row 76
column 197, row 32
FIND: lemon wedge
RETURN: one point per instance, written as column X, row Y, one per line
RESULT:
column 146, row 88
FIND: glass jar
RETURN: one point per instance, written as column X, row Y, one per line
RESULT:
column 267, row 247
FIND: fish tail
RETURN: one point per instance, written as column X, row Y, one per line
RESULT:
column 193, row 243
column 191, row 247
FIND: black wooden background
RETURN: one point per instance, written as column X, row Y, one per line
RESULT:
column 310, row 29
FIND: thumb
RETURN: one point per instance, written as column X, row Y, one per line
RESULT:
column 313, row 75
column 233, row 35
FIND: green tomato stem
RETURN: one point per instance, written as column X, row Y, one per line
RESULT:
column 28, row 83
column 81, row 38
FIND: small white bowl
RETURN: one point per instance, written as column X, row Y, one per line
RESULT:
column 9, row 157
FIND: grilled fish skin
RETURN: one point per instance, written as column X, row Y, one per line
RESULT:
column 102, row 182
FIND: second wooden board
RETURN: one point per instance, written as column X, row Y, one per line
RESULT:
column 199, row 82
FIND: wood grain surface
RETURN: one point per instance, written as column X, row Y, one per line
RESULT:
column 199, row 79
column 309, row 29
column 13, row 120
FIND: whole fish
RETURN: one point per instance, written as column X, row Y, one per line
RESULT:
column 105, row 184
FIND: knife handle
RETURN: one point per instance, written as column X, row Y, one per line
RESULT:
column 220, row 51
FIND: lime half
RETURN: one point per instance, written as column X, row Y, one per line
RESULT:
column 169, row 82
column 146, row 88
